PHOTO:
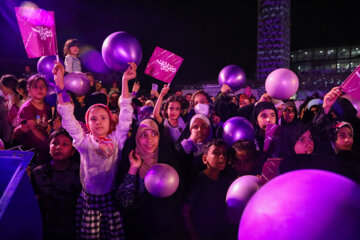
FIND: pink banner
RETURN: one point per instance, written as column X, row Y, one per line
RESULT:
column 163, row 65
column 38, row 32
column 351, row 85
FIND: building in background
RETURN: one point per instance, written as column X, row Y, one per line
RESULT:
column 273, row 47
column 324, row 68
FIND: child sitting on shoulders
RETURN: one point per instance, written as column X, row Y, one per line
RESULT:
column 71, row 52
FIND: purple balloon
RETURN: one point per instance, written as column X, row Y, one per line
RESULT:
column 45, row 65
column 93, row 61
column 77, row 83
column 119, row 49
column 237, row 128
column 282, row 83
column 145, row 111
column 161, row 180
column 233, row 76
column 238, row 195
column 303, row 204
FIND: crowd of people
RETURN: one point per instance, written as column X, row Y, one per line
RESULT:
column 93, row 152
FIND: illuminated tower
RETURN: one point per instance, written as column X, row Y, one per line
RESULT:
column 273, row 49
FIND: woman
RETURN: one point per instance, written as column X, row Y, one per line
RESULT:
column 146, row 216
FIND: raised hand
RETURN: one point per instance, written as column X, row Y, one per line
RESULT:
column 265, row 98
column 135, row 162
column 136, row 87
column 59, row 72
column 164, row 90
column 130, row 72
column 330, row 98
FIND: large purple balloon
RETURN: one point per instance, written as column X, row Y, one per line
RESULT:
column 237, row 128
column 232, row 75
column 45, row 65
column 282, row 83
column 120, row 48
column 303, row 205
column 238, row 194
column 161, row 180
column 77, row 83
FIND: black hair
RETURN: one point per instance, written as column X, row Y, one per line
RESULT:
column 216, row 142
column 89, row 74
column 35, row 78
column 200, row 92
column 172, row 99
column 61, row 131
column 246, row 145
column 9, row 81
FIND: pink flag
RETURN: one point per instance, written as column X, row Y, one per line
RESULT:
column 352, row 84
column 38, row 32
column 163, row 65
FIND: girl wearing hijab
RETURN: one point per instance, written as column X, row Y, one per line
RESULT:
column 264, row 113
column 289, row 114
column 190, row 150
column 146, row 216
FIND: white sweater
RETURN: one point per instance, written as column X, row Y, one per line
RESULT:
column 97, row 173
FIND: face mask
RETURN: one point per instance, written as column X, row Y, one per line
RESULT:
column 202, row 108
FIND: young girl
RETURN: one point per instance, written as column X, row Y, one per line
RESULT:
column 146, row 216
column 97, row 214
column 32, row 118
column 173, row 123
column 344, row 137
column 71, row 52
column 264, row 114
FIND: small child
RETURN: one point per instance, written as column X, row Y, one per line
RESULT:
column 344, row 137
column 98, row 216
column 173, row 123
column 204, row 211
column 32, row 119
column 57, row 186
column 71, row 52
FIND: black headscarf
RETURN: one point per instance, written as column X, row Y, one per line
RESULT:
column 260, row 133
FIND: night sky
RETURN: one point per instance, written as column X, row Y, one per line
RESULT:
column 209, row 36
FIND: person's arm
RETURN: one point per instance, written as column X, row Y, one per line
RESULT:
column 126, row 193
column 65, row 109
column 135, row 89
column 37, row 133
column 129, row 74
column 158, row 104
column 126, row 111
